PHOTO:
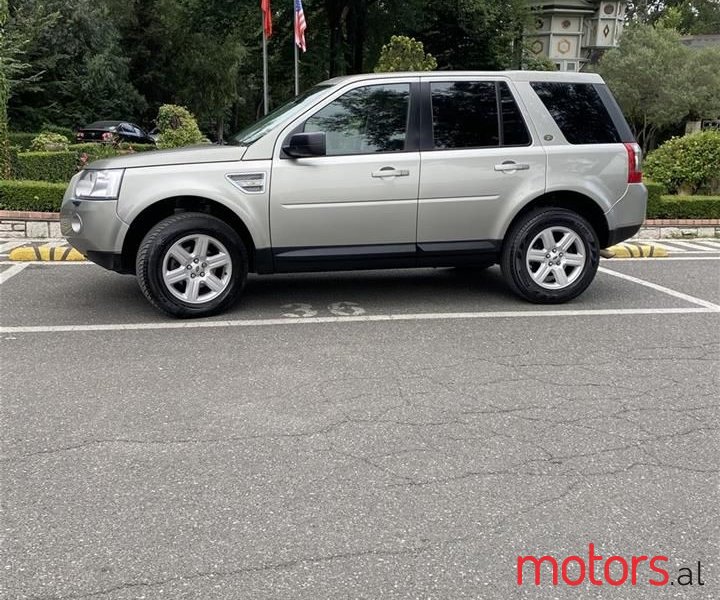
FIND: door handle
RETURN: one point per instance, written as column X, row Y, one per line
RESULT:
column 509, row 165
column 390, row 172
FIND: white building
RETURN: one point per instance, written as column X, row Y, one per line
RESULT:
column 575, row 32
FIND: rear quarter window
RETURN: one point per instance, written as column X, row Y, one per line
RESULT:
column 579, row 112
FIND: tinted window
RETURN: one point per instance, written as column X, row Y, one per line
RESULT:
column 365, row 120
column 578, row 111
column 464, row 114
column 515, row 131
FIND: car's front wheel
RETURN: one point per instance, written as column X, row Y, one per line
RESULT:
column 550, row 255
column 191, row 265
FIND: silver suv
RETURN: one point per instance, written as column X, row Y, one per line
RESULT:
column 535, row 171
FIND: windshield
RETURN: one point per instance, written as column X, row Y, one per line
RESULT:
column 295, row 106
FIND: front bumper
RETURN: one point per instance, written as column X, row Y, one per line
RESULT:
column 94, row 229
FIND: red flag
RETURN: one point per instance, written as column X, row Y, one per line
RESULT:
column 267, row 17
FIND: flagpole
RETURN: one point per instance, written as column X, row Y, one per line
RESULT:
column 297, row 70
column 266, row 101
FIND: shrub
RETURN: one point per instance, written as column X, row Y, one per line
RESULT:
column 21, row 140
column 46, row 166
column 404, row 53
column 177, row 127
column 49, row 142
column 688, row 164
column 59, row 129
column 31, row 195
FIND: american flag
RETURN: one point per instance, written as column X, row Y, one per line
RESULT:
column 300, row 26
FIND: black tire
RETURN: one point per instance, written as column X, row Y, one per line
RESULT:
column 517, row 244
column 151, row 256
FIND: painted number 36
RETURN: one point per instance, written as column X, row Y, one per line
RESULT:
column 300, row 310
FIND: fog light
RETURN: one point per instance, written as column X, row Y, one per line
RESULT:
column 76, row 223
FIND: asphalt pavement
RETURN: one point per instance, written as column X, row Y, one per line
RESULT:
column 401, row 434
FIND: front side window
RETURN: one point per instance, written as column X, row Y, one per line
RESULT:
column 365, row 120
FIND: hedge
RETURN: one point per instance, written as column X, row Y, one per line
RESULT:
column 21, row 140
column 61, row 166
column 98, row 151
column 685, row 207
column 46, row 166
column 31, row 195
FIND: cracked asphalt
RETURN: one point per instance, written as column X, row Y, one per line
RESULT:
column 331, row 460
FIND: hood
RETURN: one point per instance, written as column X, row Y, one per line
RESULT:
column 206, row 153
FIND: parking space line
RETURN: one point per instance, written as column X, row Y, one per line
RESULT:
column 11, row 272
column 659, row 259
column 688, row 245
column 7, row 246
column 48, row 263
column 661, row 288
column 519, row 314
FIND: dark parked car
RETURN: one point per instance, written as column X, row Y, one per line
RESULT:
column 106, row 131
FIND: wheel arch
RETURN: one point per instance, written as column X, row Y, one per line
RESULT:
column 579, row 203
column 156, row 212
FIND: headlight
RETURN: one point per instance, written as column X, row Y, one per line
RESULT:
column 99, row 185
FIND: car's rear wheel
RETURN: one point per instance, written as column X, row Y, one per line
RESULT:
column 191, row 265
column 550, row 256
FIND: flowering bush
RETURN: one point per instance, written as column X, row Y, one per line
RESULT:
column 49, row 142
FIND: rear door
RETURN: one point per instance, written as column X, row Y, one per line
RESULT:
column 356, row 206
column 480, row 157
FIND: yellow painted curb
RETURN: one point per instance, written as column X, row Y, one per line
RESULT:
column 28, row 253
column 634, row 250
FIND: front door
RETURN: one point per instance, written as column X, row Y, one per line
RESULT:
column 356, row 206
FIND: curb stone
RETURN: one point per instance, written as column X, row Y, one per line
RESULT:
column 636, row 250
column 45, row 253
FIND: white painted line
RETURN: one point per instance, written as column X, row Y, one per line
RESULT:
column 48, row 263
column 11, row 272
column 662, row 288
column 708, row 244
column 668, row 248
column 690, row 246
column 55, row 244
column 657, row 259
column 544, row 314
column 7, row 246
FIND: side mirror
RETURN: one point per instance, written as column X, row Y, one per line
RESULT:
column 305, row 145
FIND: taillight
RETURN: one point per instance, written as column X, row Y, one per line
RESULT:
column 634, row 162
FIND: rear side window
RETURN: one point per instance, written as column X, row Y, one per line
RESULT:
column 514, row 130
column 464, row 114
column 578, row 111
column 475, row 114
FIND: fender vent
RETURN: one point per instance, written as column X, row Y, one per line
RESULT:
column 250, row 183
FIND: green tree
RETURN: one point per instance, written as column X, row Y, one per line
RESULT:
column 474, row 34
column 404, row 53
column 689, row 17
column 652, row 76
column 77, row 71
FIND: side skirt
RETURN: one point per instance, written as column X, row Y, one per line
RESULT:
column 380, row 256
